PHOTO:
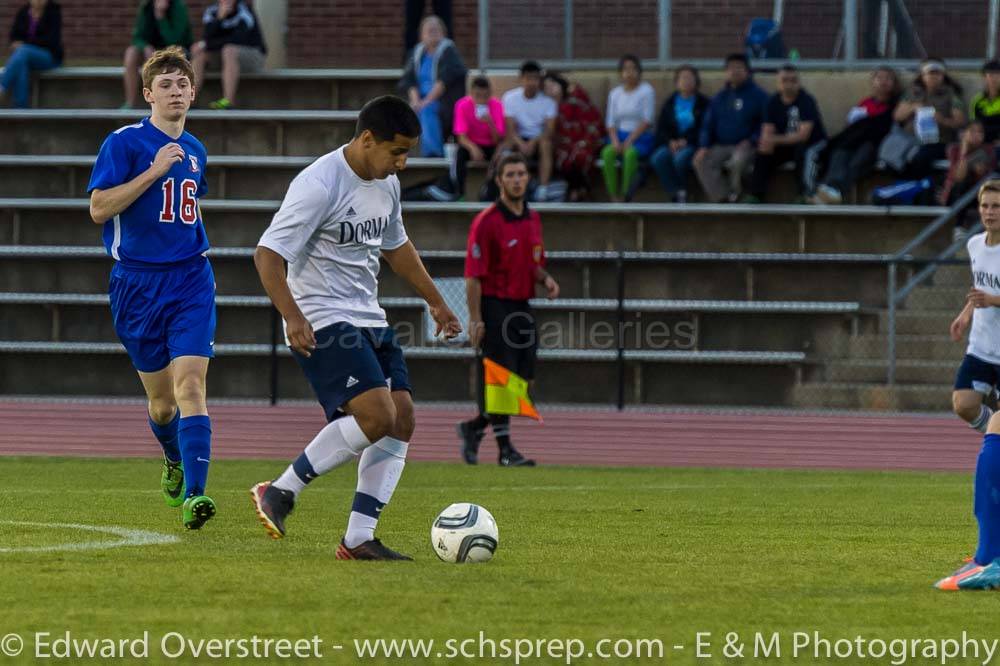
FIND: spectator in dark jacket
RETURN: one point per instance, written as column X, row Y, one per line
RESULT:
column 158, row 24
column 677, row 132
column 434, row 79
column 793, row 128
column 850, row 155
column 730, row 132
column 231, row 36
column 35, row 45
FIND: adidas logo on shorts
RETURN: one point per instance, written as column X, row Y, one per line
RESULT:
column 351, row 381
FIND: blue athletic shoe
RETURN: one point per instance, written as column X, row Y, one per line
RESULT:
column 972, row 576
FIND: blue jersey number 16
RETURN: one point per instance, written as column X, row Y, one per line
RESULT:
column 189, row 204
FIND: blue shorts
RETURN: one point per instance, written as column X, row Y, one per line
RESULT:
column 977, row 375
column 161, row 313
column 348, row 361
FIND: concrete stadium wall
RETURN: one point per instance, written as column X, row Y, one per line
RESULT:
column 326, row 33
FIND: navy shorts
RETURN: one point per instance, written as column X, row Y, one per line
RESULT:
column 510, row 338
column 348, row 361
column 161, row 313
column 977, row 375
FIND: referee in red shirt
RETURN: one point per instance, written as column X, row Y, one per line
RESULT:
column 504, row 261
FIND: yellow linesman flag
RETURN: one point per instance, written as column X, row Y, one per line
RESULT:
column 506, row 392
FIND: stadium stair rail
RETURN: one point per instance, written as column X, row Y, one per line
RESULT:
column 896, row 295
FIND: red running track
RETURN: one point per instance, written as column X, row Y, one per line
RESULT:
column 568, row 437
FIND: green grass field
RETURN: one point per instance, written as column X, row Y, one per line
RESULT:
column 584, row 554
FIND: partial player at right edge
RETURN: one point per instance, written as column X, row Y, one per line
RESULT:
column 979, row 374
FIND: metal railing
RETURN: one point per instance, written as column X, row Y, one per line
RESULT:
column 847, row 52
column 895, row 296
column 619, row 307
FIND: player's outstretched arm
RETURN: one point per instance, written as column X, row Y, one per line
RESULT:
column 962, row 321
column 105, row 204
column 271, row 268
column 406, row 264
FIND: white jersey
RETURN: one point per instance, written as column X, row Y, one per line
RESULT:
column 529, row 113
column 984, row 338
column 331, row 228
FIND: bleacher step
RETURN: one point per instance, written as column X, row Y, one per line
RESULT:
column 872, row 396
column 908, row 347
column 875, row 371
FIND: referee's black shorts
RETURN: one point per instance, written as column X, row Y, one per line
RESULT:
column 511, row 338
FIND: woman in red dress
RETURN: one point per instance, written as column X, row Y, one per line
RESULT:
column 579, row 134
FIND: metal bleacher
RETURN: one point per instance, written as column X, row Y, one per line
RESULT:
column 770, row 292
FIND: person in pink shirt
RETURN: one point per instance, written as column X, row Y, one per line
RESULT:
column 479, row 128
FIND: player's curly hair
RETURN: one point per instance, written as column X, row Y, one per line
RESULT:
column 166, row 61
column 991, row 185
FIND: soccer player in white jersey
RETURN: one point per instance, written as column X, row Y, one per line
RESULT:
column 339, row 215
column 979, row 373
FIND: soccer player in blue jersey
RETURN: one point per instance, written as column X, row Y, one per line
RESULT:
column 144, row 190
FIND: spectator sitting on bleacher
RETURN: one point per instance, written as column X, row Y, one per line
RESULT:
column 231, row 35
column 968, row 162
column 158, row 24
column 932, row 112
column 434, row 79
column 479, row 128
column 579, row 134
column 631, row 107
column 530, row 115
column 677, row 132
column 850, row 155
column 793, row 128
column 35, row 45
column 730, row 132
column 986, row 104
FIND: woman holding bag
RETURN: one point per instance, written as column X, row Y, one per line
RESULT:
column 932, row 113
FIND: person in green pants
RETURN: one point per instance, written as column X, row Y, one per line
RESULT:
column 158, row 24
column 631, row 106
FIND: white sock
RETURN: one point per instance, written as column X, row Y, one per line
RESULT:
column 334, row 445
column 379, row 469
column 983, row 420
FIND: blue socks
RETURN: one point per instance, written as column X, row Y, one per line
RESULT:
column 166, row 434
column 987, row 507
column 195, row 435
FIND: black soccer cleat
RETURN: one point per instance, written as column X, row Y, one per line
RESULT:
column 272, row 506
column 470, row 442
column 369, row 550
column 513, row 458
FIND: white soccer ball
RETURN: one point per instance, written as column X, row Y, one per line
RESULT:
column 465, row 532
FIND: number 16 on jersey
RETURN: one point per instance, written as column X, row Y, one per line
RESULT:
column 188, row 209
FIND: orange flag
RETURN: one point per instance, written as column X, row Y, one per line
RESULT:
column 507, row 392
